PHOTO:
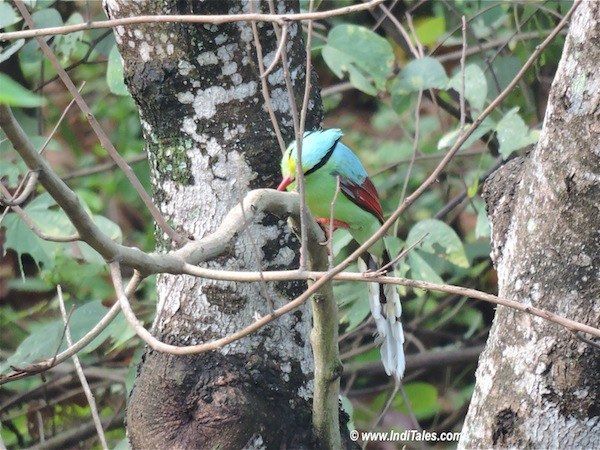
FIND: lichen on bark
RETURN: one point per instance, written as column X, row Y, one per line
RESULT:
column 209, row 141
column 537, row 384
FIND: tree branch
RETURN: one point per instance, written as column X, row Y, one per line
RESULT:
column 212, row 19
column 84, row 383
column 99, row 131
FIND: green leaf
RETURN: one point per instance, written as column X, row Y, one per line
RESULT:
column 44, row 340
column 45, row 18
column 114, row 73
column 11, row 49
column 8, row 16
column 421, row 270
column 482, row 227
column 423, row 400
column 360, row 52
column 429, row 29
column 11, row 169
column 513, row 133
column 22, row 240
column 450, row 138
column 341, row 238
column 439, row 239
column 13, row 94
column 476, row 87
column 420, row 74
column 352, row 298
column 67, row 43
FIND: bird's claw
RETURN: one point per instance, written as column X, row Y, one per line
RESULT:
column 374, row 273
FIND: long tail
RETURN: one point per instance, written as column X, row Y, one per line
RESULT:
column 387, row 312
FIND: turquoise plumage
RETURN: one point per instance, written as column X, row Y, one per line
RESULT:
column 326, row 161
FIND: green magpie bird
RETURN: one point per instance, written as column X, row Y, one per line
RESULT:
column 325, row 160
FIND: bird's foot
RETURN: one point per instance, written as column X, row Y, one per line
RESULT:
column 374, row 273
column 326, row 223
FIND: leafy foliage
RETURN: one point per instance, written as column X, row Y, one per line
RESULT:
column 363, row 54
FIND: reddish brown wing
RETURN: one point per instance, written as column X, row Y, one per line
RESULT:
column 365, row 196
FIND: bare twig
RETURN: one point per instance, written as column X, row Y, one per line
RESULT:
column 32, row 176
column 385, row 409
column 527, row 35
column 412, row 29
column 462, row 73
column 36, row 230
column 84, row 59
column 331, row 219
column 282, row 41
column 102, row 167
column 402, row 30
column 401, row 255
column 84, row 383
column 102, row 136
column 289, row 275
column 212, row 19
column 265, row 84
column 298, row 133
column 415, row 145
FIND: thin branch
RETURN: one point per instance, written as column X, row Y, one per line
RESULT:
column 331, row 220
column 527, row 35
column 28, row 184
column 212, row 19
column 265, row 87
column 385, row 409
column 265, row 84
column 282, row 42
column 84, row 384
column 31, row 176
column 401, row 255
column 299, row 133
column 102, row 136
column 33, row 226
column 91, row 46
column 102, row 167
column 336, row 88
column 402, row 31
column 36, row 230
column 462, row 73
column 412, row 29
column 415, row 145
column 290, row 275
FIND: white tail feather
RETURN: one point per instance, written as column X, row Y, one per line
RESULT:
column 389, row 326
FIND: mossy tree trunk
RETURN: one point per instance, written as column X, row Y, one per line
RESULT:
column 209, row 140
column 538, row 386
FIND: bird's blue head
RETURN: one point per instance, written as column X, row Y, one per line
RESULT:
column 317, row 146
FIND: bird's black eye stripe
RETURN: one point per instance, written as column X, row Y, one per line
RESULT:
column 324, row 159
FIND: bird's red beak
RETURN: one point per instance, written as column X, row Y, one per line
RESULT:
column 285, row 183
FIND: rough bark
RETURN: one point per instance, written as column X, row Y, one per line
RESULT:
column 209, row 140
column 537, row 384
